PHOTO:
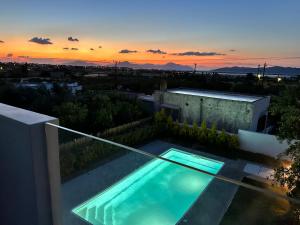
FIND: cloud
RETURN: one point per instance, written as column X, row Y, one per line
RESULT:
column 74, row 49
column 72, row 39
column 232, row 50
column 191, row 53
column 41, row 41
column 1, row 41
column 92, row 49
column 126, row 51
column 66, row 48
column 100, row 46
column 9, row 55
column 158, row 51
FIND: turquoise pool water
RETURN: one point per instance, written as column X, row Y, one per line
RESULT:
column 158, row 193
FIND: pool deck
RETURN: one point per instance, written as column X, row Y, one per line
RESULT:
column 208, row 209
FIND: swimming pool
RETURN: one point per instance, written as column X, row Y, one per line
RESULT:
column 158, row 193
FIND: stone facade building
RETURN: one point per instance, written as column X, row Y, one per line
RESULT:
column 228, row 110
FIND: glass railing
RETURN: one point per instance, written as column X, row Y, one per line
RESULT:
column 107, row 183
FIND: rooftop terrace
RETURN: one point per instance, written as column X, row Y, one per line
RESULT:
column 159, row 183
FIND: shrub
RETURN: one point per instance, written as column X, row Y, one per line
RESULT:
column 160, row 120
column 170, row 123
column 212, row 134
column 222, row 139
column 194, row 131
column 184, row 131
column 82, row 155
column 202, row 136
column 233, row 142
column 176, row 129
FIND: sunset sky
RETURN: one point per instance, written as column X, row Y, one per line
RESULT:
column 210, row 33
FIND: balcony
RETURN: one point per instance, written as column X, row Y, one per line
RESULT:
column 50, row 176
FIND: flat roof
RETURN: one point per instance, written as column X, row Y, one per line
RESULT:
column 216, row 94
column 146, row 97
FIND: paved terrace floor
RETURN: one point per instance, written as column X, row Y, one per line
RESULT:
column 208, row 209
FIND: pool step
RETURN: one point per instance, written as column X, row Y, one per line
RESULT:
column 100, row 213
column 91, row 216
column 108, row 215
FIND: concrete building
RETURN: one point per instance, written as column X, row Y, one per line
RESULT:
column 228, row 110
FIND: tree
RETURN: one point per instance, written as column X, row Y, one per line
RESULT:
column 103, row 119
column 286, row 108
column 72, row 115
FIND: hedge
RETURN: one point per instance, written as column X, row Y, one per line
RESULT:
column 202, row 134
column 78, row 156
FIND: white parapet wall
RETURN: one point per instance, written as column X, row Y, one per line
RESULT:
column 29, row 168
column 261, row 143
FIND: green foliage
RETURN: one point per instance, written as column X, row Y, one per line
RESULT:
column 286, row 109
column 176, row 129
column 99, row 110
column 103, row 119
column 203, row 132
column 79, row 156
column 72, row 114
column 222, row 139
column 233, row 142
column 170, row 123
column 184, row 131
column 160, row 119
column 212, row 134
column 290, row 176
column 194, row 130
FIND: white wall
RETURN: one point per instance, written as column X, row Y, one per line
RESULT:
column 29, row 168
column 261, row 143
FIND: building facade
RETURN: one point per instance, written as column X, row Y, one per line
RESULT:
column 228, row 110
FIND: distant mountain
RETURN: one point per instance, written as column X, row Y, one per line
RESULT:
column 275, row 70
column 79, row 63
column 167, row 66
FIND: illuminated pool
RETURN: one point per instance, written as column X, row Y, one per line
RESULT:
column 159, row 193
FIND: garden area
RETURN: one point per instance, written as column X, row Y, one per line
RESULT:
column 81, row 154
column 251, row 207
column 210, row 140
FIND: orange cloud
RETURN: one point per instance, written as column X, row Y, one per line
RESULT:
column 109, row 52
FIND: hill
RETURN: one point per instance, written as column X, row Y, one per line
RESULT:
column 275, row 70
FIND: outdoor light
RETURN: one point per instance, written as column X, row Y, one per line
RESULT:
column 287, row 164
column 259, row 76
column 279, row 79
